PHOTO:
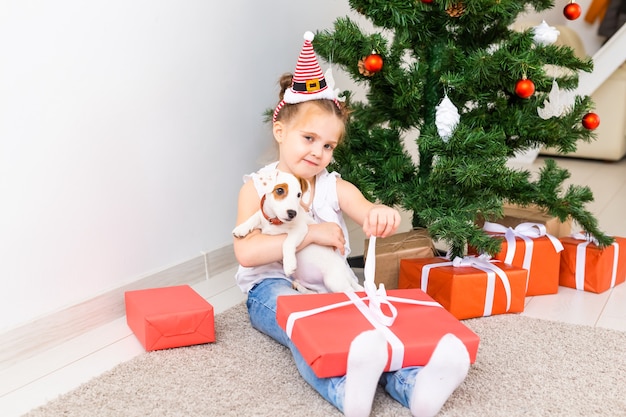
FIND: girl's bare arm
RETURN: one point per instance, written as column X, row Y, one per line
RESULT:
column 376, row 219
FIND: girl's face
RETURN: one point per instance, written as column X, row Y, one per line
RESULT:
column 306, row 142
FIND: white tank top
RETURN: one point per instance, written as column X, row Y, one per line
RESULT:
column 325, row 208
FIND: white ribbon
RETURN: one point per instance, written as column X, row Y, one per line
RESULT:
column 615, row 262
column 481, row 262
column 527, row 232
column 372, row 311
column 581, row 258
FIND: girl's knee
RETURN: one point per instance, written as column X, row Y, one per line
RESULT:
column 262, row 307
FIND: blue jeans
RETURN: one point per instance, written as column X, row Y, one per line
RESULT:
column 262, row 310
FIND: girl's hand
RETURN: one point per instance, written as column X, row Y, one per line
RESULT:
column 327, row 234
column 381, row 221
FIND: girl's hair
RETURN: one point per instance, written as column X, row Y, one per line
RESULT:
column 288, row 111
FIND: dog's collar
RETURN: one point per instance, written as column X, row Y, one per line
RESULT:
column 275, row 220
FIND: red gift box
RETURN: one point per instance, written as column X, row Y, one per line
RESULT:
column 169, row 317
column 323, row 331
column 469, row 287
column 530, row 247
column 586, row 267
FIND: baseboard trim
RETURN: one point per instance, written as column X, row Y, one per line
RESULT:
column 47, row 332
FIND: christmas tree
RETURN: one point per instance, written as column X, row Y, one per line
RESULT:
column 452, row 76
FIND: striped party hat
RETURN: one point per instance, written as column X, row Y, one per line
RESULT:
column 308, row 82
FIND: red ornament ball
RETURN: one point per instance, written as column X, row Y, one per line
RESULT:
column 591, row 121
column 373, row 63
column 524, row 88
column 427, row 1
column 572, row 11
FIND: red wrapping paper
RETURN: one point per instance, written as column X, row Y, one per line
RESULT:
column 169, row 317
column 463, row 290
column 324, row 339
column 530, row 248
column 593, row 269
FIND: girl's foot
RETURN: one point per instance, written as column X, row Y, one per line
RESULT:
column 367, row 359
column 444, row 372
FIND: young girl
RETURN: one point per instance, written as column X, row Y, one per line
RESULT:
column 309, row 122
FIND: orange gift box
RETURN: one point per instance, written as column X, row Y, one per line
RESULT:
column 528, row 246
column 586, row 267
column 169, row 317
column 467, row 291
column 322, row 331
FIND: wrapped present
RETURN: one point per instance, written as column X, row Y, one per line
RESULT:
column 169, row 317
column 515, row 215
column 467, row 287
column 323, row 326
column 586, row 267
column 530, row 247
column 415, row 243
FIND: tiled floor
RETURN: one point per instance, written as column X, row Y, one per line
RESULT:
column 37, row 380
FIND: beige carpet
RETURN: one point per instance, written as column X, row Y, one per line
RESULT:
column 525, row 367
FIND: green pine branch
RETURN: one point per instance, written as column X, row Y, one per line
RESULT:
column 467, row 51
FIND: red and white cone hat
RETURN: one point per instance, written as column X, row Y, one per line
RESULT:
column 309, row 83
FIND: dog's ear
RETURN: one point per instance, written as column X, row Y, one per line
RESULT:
column 304, row 185
column 267, row 179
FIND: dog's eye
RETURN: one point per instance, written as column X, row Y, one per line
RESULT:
column 299, row 195
column 280, row 191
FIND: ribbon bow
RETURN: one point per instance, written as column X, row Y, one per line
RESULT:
column 372, row 311
column 483, row 263
column 527, row 232
column 585, row 236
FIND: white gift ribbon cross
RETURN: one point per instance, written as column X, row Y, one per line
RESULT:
column 527, row 232
column 481, row 262
column 581, row 259
column 372, row 311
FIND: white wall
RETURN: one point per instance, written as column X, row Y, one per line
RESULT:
column 125, row 128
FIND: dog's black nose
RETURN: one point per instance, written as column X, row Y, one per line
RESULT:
column 291, row 213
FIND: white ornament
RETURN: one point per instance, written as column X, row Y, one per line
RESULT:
column 330, row 82
column 558, row 102
column 544, row 34
column 446, row 118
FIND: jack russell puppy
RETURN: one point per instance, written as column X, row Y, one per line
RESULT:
column 315, row 268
